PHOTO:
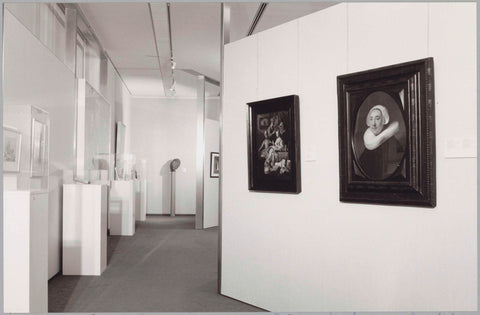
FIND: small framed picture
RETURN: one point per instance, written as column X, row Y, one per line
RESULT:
column 214, row 164
column 387, row 135
column 274, row 145
column 39, row 150
column 12, row 149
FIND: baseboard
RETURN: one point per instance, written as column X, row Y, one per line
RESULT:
column 167, row 214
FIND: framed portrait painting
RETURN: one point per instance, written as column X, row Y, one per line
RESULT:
column 12, row 148
column 274, row 145
column 387, row 135
column 39, row 151
column 214, row 164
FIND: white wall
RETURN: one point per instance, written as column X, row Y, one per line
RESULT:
column 210, row 185
column 161, row 130
column 309, row 252
column 33, row 75
column 123, row 113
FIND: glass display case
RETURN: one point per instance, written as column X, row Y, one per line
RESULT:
column 94, row 145
column 125, row 167
column 25, row 147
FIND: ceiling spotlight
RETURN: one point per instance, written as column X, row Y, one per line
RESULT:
column 174, row 65
column 172, row 89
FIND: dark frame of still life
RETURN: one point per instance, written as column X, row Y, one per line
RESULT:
column 274, row 145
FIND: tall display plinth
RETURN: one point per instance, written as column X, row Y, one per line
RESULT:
column 84, row 229
column 121, row 211
column 25, row 260
column 141, row 200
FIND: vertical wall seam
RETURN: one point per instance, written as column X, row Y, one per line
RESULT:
column 347, row 46
column 298, row 56
column 428, row 28
column 257, row 39
column 2, row 100
column 477, row 13
column 220, row 145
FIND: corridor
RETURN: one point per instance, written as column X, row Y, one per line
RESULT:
column 167, row 266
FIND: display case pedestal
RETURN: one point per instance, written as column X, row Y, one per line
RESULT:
column 25, row 260
column 84, row 229
column 121, row 210
column 141, row 200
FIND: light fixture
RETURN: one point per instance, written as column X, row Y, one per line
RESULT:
column 172, row 88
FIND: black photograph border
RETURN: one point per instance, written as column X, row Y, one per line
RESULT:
column 212, row 155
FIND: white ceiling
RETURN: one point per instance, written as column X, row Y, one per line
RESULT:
column 125, row 31
column 278, row 13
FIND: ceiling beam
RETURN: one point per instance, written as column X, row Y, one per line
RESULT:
column 160, row 17
column 256, row 18
column 207, row 78
column 81, row 16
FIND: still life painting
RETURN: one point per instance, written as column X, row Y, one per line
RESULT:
column 274, row 145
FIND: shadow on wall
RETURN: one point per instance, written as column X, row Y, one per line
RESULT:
column 55, row 220
column 166, row 187
column 118, row 110
column 115, row 216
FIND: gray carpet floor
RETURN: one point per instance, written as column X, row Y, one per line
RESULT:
column 167, row 266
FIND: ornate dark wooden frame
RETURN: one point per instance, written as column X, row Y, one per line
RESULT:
column 290, row 103
column 419, row 185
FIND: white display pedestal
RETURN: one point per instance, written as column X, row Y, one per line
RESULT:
column 25, row 260
column 141, row 200
column 122, row 207
column 84, row 229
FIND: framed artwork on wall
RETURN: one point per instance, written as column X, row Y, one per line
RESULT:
column 38, row 159
column 214, row 164
column 387, row 135
column 12, row 148
column 274, row 145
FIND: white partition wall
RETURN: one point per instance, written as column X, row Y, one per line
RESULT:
column 34, row 75
column 310, row 252
column 165, row 129
column 210, row 184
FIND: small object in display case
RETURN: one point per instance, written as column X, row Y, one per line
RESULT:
column 125, row 167
column 387, row 135
column 12, row 149
column 274, row 145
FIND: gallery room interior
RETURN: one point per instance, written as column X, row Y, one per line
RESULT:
column 239, row 157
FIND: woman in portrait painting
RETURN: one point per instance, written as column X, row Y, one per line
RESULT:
column 383, row 152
